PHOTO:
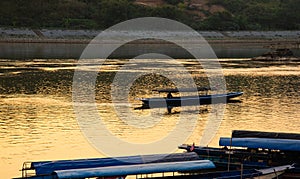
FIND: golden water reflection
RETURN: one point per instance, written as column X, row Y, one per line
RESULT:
column 37, row 119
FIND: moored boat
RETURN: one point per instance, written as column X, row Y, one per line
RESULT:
column 43, row 168
column 269, row 173
column 253, row 149
column 118, row 167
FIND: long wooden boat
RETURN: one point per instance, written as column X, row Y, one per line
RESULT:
column 188, row 100
column 41, row 168
column 110, row 168
column 170, row 102
column 121, row 171
column 253, row 149
column 269, row 173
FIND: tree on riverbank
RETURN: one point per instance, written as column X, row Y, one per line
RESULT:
column 100, row 14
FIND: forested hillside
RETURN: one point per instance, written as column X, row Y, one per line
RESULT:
column 199, row 14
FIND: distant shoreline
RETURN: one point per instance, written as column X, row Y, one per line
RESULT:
column 270, row 43
column 273, row 39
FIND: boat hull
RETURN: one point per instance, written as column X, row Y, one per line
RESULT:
column 188, row 100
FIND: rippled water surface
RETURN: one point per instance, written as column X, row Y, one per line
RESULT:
column 38, row 121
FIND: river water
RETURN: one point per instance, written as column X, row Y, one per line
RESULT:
column 38, row 120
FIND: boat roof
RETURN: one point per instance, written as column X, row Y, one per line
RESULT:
column 47, row 167
column 259, row 134
column 264, row 143
column 176, row 90
column 135, row 169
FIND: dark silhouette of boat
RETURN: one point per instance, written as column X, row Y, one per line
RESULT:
column 170, row 101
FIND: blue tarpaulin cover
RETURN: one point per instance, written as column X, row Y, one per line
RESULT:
column 264, row 143
column 135, row 169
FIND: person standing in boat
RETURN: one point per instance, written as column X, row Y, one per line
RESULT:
column 169, row 95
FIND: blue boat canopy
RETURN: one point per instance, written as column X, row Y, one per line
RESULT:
column 135, row 169
column 264, row 143
column 47, row 167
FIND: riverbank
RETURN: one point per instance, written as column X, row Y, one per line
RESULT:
column 288, row 39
